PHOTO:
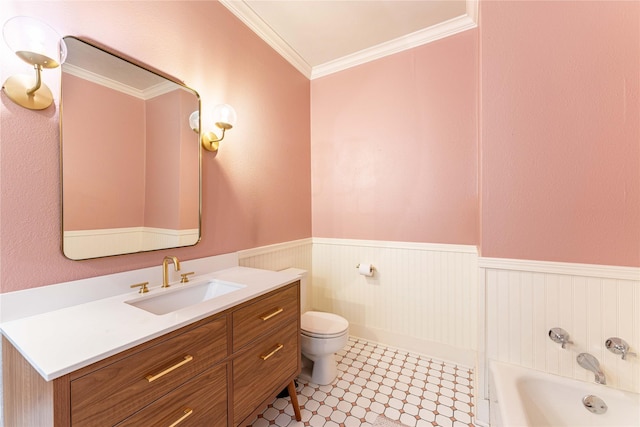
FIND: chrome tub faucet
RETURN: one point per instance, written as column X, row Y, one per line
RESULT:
column 590, row 363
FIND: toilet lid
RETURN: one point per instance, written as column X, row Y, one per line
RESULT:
column 317, row 323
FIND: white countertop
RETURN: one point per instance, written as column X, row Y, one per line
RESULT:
column 61, row 341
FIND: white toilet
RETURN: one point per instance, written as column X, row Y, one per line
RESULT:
column 322, row 335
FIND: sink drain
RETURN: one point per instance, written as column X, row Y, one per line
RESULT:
column 594, row 404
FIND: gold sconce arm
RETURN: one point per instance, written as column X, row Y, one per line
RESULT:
column 224, row 116
column 38, row 44
column 38, row 80
column 210, row 140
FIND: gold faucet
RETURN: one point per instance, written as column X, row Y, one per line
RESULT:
column 165, row 269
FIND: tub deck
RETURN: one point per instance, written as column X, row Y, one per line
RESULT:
column 524, row 397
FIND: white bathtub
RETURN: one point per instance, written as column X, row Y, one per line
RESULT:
column 524, row 397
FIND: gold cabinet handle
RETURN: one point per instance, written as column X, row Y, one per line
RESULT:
column 273, row 313
column 272, row 352
column 187, row 412
column 152, row 377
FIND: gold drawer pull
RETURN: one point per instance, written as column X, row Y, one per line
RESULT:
column 270, row 315
column 188, row 358
column 187, row 412
column 274, row 351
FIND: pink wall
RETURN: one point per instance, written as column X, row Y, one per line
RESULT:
column 394, row 142
column 560, row 116
column 256, row 189
column 108, row 199
column 394, row 147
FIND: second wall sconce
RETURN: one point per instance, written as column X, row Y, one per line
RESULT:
column 224, row 117
column 39, row 45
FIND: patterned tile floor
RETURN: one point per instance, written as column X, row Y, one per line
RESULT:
column 372, row 379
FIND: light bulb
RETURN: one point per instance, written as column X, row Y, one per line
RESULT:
column 194, row 121
column 224, row 116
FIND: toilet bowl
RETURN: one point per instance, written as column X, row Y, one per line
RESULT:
column 321, row 336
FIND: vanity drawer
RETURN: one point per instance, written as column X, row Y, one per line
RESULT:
column 115, row 391
column 201, row 401
column 262, row 367
column 264, row 315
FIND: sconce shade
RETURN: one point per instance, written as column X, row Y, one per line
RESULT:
column 39, row 45
column 224, row 117
column 34, row 41
column 194, row 121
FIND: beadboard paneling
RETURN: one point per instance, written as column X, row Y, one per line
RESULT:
column 524, row 299
column 276, row 257
column 422, row 297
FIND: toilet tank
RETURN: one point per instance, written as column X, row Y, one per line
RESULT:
column 305, row 304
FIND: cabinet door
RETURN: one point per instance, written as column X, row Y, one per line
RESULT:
column 199, row 402
column 263, row 367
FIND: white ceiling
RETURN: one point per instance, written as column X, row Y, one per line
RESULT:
column 320, row 37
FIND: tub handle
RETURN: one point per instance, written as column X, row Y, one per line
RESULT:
column 618, row 346
column 560, row 336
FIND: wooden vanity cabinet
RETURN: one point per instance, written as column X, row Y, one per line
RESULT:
column 219, row 371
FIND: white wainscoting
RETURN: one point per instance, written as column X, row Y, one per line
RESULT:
column 296, row 253
column 524, row 299
column 98, row 243
column 422, row 297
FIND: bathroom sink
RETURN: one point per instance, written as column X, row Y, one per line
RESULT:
column 181, row 296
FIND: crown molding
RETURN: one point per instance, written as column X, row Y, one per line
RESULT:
column 152, row 92
column 251, row 19
column 436, row 32
column 472, row 11
column 418, row 38
column 159, row 89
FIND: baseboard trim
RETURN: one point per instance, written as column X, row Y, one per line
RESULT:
column 443, row 352
column 481, row 416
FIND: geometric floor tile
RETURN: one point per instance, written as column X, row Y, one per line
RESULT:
column 373, row 379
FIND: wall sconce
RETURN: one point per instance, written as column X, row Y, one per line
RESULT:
column 224, row 117
column 39, row 45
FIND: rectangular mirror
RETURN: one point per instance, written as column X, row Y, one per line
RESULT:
column 131, row 164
